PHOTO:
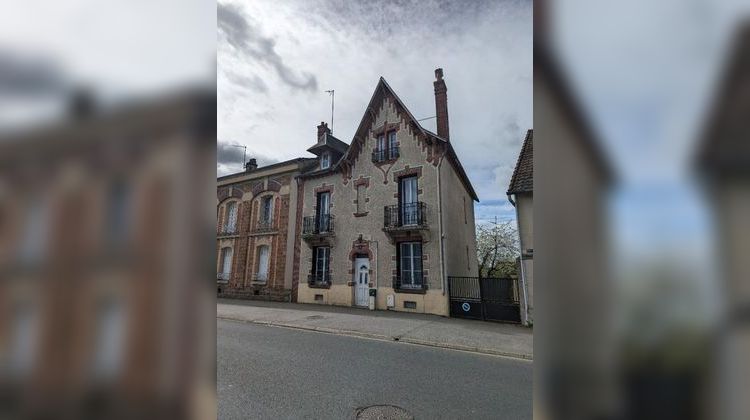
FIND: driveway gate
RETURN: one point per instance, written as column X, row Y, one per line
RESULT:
column 491, row 299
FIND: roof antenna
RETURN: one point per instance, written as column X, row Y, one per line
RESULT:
column 330, row 92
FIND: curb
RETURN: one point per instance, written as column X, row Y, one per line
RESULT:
column 351, row 333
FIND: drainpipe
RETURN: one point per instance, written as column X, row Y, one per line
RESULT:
column 440, row 229
column 520, row 257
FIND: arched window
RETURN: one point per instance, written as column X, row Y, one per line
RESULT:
column 230, row 224
column 263, row 257
column 226, row 264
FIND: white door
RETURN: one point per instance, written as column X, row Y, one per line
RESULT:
column 361, row 281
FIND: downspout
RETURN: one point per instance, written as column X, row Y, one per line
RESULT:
column 440, row 228
column 520, row 257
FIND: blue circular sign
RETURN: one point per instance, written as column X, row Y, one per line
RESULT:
column 466, row 306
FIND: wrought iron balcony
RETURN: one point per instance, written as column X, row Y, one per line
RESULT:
column 317, row 225
column 223, row 277
column 405, row 216
column 417, row 283
column 264, row 225
column 319, row 279
column 384, row 155
column 228, row 230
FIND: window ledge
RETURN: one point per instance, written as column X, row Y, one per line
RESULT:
column 363, row 214
column 420, row 291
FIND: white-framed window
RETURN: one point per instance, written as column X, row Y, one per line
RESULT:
column 263, row 257
column 230, row 225
column 321, row 264
column 36, row 231
column 226, row 263
column 410, row 264
column 110, row 339
column 325, row 160
column 266, row 209
column 392, row 153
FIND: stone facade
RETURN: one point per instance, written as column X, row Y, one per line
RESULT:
column 363, row 186
column 258, row 221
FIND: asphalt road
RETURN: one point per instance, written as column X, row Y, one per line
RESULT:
column 279, row 373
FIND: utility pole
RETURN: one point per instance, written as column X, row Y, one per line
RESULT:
column 331, row 92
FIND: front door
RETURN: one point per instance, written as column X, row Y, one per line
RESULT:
column 361, row 281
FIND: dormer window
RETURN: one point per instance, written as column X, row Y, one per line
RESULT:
column 325, row 160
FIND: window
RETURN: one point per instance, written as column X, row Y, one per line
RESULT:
column 230, row 226
column 110, row 338
column 322, row 256
column 381, row 143
column 266, row 209
column 263, row 255
column 392, row 153
column 118, row 206
column 24, row 339
column 408, row 201
column 36, row 231
column 323, row 211
column 325, row 160
column 410, row 265
column 226, row 263
column 360, row 198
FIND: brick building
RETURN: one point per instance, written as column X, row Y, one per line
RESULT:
column 258, row 213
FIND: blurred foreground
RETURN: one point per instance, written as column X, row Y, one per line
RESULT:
column 642, row 184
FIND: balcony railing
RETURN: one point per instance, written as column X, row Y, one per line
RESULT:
column 264, row 225
column 383, row 155
column 223, row 277
column 228, row 230
column 416, row 283
column 405, row 215
column 319, row 279
column 317, row 225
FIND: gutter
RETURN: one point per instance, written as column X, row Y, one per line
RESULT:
column 440, row 228
column 520, row 257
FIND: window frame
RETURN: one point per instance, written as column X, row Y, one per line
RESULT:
column 325, row 160
column 325, row 270
column 416, row 281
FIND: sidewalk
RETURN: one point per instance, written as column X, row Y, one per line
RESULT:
column 431, row 330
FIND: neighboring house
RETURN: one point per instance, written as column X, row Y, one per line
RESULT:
column 391, row 213
column 101, row 262
column 521, row 195
column 258, row 213
column 723, row 161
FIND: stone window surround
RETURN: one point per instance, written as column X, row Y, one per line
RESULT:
column 425, row 271
column 362, row 180
column 408, row 171
column 323, row 188
column 221, row 213
column 385, row 129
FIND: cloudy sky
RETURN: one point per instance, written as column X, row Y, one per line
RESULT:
column 277, row 58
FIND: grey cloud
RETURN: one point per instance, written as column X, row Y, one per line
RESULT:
column 244, row 35
column 254, row 83
column 229, row 157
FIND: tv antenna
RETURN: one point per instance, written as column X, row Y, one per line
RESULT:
column 244, row 152
column 331, row 92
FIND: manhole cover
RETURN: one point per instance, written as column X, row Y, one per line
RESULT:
column 315, row 317
column 383, row 412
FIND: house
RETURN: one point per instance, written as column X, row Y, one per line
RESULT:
column 723, row 162
column 102, row 260
column 521, row 194
column 258, row 231
column 390, row 214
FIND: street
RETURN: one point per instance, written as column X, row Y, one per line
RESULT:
column 280, row 373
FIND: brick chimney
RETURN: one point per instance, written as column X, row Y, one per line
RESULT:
column 251, row 165
column 322, row 128
column 441, row 105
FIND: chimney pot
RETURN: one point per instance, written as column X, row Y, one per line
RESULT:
column 251, row 165
column 322, row 129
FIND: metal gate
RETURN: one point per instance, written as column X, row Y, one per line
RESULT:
column 490, row 299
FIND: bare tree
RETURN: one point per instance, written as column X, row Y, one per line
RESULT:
column 497, row 249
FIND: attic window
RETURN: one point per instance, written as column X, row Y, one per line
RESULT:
column 325, row 160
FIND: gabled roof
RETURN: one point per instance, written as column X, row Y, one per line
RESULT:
column 381, row 90
column 523, row 175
